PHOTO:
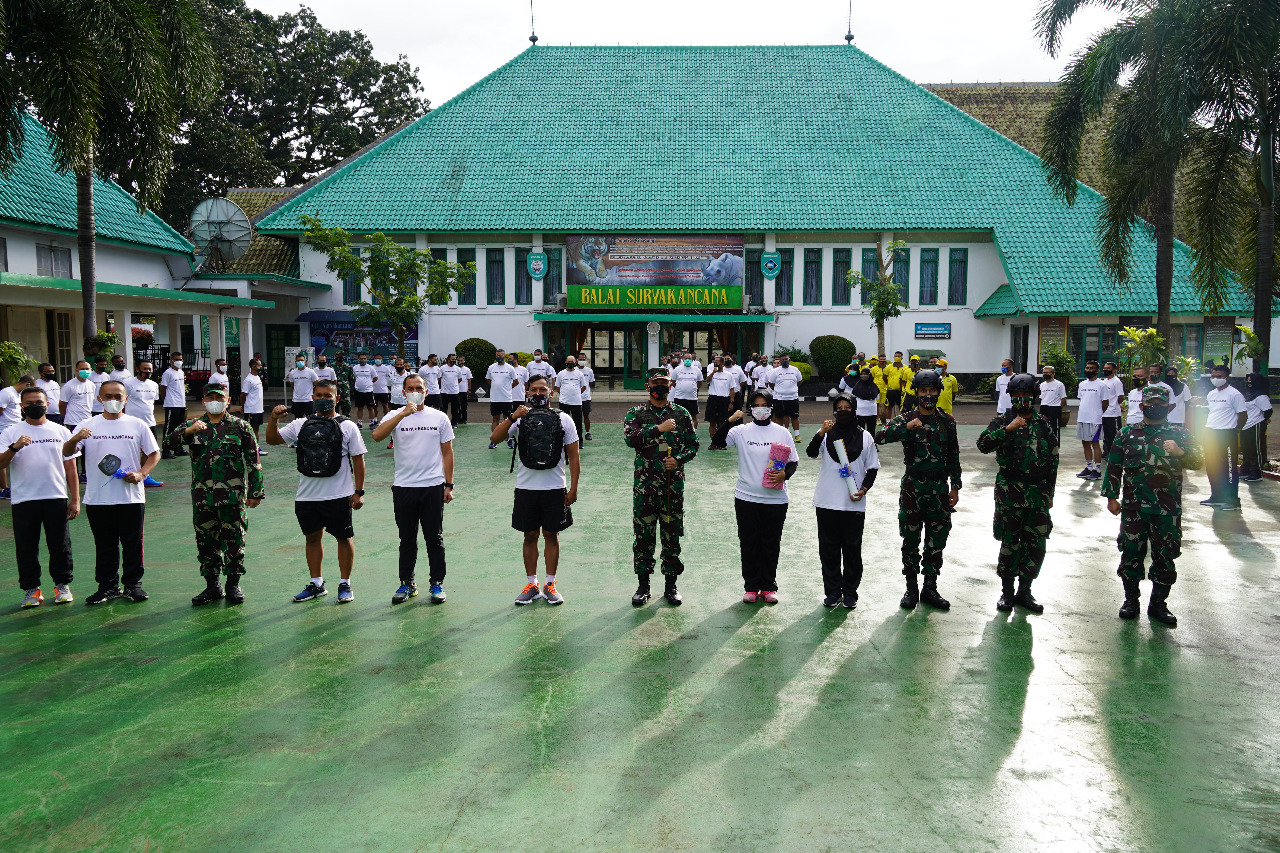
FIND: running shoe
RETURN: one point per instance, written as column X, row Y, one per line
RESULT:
column 588, row 437
column 33, row 598
column 769, row 596
column 262, row 452
column 405, row 592
column 152, row 482
column 345, row 594
column 312, row 591
column 1086, row 474
column 136, row 593
column 437, row 593
column 850, row 601
column 391, row 445
column 103, row 595
column 493, row 446
column 550, row 594
column 5, row 494
column 1227, row 507
column 84, row 479
column 62, row 594
column 511, row 444
column 831, row 601
column 749, row 597
column 529, row 594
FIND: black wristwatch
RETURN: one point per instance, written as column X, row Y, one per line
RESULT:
column 448, row 485
column 13, row 449
column 360, row 492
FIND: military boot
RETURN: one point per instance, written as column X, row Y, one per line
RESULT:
column 1024, row 598
column 641, row 596
column 671, row 594
column 1157, row 609
column 912, row 596
column 1007, row 596
column 235, row 595
column 212, row 592
column 1132, row 600
column 929, row 595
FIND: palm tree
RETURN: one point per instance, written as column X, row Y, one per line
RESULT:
column 106, row 77
column 1147, row 125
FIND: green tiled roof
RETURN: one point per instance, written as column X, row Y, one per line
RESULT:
column 23, row 280
column 263, row 276
column 37, row 195
column 1002, row 303
column 727, row 139
column 266, row 254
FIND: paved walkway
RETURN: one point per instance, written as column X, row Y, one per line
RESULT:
column 476, row 725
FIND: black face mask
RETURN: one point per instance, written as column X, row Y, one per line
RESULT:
column 659, row 392
column 844, row 416
column 34, row 411
column 1024, row 405
column 47, row 377
column 538, row 401
column 144, row 374
column 928, row 403
column 1092, row 374
column 322, row 365
column 1155, row 413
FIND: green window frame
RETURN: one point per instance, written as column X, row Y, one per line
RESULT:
column 928, row 276
column 754, row 282
column 551, row 281
column 902, row 273
column 812, row 293
column 958, row 277
column 870, row 271
column 350, row 286
column 468, row 294
column 784, row 283
column 841, row 262
column 524, row 284
column 495, row 276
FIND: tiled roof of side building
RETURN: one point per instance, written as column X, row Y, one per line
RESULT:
column 727, row 139
column 38, row 195
column 266, row 254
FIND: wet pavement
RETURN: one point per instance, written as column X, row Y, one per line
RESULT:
column 476, row 725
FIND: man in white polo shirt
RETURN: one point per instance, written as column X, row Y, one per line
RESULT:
column 685, row 381
column 119, row 452
column 382, row 371
column 1227, row 416
column 784, row 382
column 101, row 373
column 720, row 383
column 45, row 495
column 540, row 366
column 422, row 485
column 219, row 376
column 251, row 400
column 1053, row 396
column 1003, row 401
column 173, row 399
column 465, row 379
column 588, row 379
column 301, row 379
column 47, row 381
column 362, row 373
column 1112, row 413
column 1095, row 396
column 569, row 384
column 502, row 379
column 75, row 401
column 450, row 374
column 143, row 393
column 430, row 373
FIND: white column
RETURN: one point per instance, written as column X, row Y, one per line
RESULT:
column 825, row 285
column 482, row 279
column 509, row 282
column 246, row 347
column 217, row 337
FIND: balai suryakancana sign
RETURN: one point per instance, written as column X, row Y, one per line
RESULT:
column 647, row 272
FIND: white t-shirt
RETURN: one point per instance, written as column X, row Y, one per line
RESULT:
column 10, row 406
column 174, row 383
column 739, row 377
column 1135, row 403
column 552, row 478
column 449, row 374
column 1257, row 409
column 464, row 380
column 569, row 384
column 128, row 439
column 143, row 394
column 786, row 386
column 686, row 380
column 865, row 408
column 395, row 382
column 36, row 472
column 418, row 439
column 753, row 442
column 52, row 392
column 1053, row 393
column 1116, row 384
column 363, row 375
column 78, row 394
column 541, row 368
column 97, row 379
column 341, row 484
column 302, row 380
column 500, row 377
column 222, row 379
column 1003, row 400
column 1178, row 414
column 831, row 491
column 251, row 387
column 588, row 376
column 522, row 380
column 759, row 375
column 1224, row 404
column 431, row 376
column 119, row 375
column 721, row 383
column 326, row 372
column 1094, row 396
column 381, row 376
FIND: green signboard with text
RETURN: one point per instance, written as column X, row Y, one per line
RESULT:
column 644, row 272
column 645, row 297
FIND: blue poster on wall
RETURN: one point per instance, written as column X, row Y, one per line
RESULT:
column 933, row 331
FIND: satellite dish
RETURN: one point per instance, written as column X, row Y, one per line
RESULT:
column 221, row 232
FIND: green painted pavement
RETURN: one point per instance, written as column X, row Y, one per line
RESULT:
column 476, row 725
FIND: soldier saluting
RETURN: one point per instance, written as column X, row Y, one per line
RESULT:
column 1026, row 449
column 932, row 454
column 663, row 437
column 1143, row 485
column 225, row 478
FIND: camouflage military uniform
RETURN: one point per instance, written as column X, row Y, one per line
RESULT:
column 225, row 472
column 932, row 454
column 1148, row 482
column 346, row 380
column 1028, row 459
column 658, row 494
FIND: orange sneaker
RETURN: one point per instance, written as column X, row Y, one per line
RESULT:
column 550, row 594
column 33, row 598
column 529, row 594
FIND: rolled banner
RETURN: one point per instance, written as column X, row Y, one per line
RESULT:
column 850, row 478
column 778, row 456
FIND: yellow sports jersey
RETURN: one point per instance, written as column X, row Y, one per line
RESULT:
column 950, row 389
column 897, row 377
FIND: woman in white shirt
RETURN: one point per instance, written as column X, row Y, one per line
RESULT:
column 842, row 509
column 760, row 499
column 1253, row 438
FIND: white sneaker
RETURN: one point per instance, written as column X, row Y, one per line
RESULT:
column 62, row 594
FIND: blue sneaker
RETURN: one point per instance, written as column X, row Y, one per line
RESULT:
column 344, row 593
column 404, row 593
column 152, row 482
column 5, row 494
column 437, row 593
column 312, row 591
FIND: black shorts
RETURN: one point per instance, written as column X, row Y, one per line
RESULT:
column 433, row 401
column 540, row 509
column 499, row 410
column 690, row 406
column 717, row 409
column 302, row 408
column 384, row 399
column 255, row 419
column 586, row 407
column 332, row 516
column 786, row 408
column 894, row 398
column 362, row 399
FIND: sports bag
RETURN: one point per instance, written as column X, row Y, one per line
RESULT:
column 320, row 446
column 540, row 441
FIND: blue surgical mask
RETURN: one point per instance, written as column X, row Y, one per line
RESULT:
column 83, row 374
column 1004, row 368
column 299, row 364
column 377, row 361
column 688, row 362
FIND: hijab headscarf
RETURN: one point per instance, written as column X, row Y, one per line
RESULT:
column 1173, row 382
column 1255, row 385
column 864, row 388
column 851, row 434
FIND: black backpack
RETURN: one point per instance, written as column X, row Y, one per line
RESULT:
column 320, row 446
column 540, row 441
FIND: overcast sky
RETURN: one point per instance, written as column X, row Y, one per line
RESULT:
column 456, row 42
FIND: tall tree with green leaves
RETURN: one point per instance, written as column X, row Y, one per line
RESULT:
column 884, row 295
column 106, row 77
column 402, row 280
column 1132, row 77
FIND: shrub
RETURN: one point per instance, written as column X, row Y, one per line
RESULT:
column 987, row 386
column 830, row 354
column 806, row 372
column 478, row 352
column 523, row 358
column 794, row 353
column 14, row 361
column 1064, row 367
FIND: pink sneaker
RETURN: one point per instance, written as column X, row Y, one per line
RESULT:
column 748, row 598
column 769, row 596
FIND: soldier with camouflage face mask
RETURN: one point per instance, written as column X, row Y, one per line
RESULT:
column 225, row 478
column 1143, row 485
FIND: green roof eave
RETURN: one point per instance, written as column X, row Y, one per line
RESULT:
column 43, row 228
column 1002, row 303
column 22, row 280
column 645, row 318
column 263, row 276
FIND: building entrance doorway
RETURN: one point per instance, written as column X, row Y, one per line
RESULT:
column 617, row 353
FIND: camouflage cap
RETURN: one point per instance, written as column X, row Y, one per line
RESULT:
column 212, row 389
column 658, row 373
column 1155, row 394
